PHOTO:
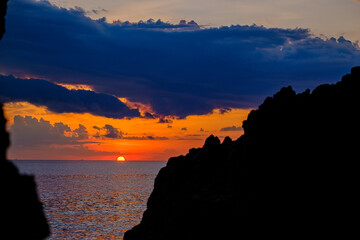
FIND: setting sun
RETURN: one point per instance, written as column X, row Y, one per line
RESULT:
column 121, row 159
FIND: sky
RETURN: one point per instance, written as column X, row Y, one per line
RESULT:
column 151, row 79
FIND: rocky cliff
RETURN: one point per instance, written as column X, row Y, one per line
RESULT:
column 21, row 211
column 3, row 8
column 293, row 173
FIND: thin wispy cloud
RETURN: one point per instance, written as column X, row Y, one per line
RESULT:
column 232, row 128
column 111, row 132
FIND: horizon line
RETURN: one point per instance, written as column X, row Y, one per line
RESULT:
column 86, row 160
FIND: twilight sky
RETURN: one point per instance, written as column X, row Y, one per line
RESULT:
column 94, row 80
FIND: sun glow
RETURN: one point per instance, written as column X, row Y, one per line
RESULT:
column 121, row 159
column 76, row 86
column 141, row 139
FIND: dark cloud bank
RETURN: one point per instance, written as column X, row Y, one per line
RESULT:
column 178, row 69
column 59, row 99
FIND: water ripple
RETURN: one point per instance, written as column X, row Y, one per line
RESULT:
column 92, row 199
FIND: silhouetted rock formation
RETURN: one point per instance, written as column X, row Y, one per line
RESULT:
column 294, row 173
column 3, row 8
column 21, row 211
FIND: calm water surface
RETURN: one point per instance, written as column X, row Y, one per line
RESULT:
column 92, row 199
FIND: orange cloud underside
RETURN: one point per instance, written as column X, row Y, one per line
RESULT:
column 168, row 139
column 76, row 86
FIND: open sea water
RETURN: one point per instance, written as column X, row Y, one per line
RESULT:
column 92, row 199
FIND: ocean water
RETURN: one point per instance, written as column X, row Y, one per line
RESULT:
column 92, row 199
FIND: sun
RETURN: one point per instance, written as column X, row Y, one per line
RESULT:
column 121, row 159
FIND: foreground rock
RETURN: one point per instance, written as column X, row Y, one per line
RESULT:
column 294, row 173
column 3, row 8
column 21, row 211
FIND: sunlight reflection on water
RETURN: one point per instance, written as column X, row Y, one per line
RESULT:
column 92, row 199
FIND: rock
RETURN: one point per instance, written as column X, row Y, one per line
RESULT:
column 355, row 71
column 294, row 173
column 211, row 141
column 21, row 210
column 3, row 8
column 227, row 141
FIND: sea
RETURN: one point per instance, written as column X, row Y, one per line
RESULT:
column 92, row 199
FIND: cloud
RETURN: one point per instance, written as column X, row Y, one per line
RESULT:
column 29, row 132
column 153, row 138
column 232, row 128
column 96, row 127
column 224, row 110
column 195, row 135
column 112, row 132
column 165, row 120
column 96, row 11
column 59, row 99
column 147, row 137
column 56, row 141
column 184, row 129
column 81, row 132
column 178, row 69
column 158, row 25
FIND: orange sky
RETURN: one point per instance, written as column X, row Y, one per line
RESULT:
column 141, row 138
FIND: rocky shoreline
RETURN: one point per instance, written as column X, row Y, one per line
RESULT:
column 294, row 173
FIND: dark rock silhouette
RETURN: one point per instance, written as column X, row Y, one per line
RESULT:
column 3, row 8
column 294, row 173
column 20, row 207
column 21, row 211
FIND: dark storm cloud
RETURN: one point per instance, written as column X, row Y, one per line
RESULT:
column 178, row 69
column 59, row 99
